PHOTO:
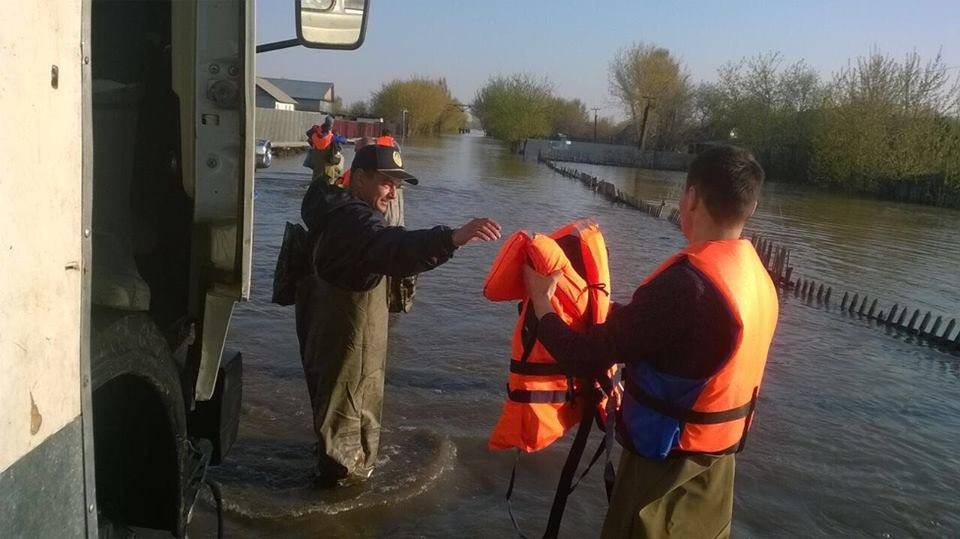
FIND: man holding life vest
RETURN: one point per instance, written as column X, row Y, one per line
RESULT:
column 341, row 303
column 694, row 342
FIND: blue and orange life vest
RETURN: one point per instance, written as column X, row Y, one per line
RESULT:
column 663, row 415
column 542, row 402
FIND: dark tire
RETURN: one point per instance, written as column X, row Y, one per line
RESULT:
column 139, row 424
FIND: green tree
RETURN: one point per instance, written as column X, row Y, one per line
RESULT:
column 570, row 118
column 765, row 106
column 429, row 105
column 359, row 109
column 655, row 91
column 514, row 108
column 888, row 120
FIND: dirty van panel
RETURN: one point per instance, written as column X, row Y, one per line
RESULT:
column 41, row 281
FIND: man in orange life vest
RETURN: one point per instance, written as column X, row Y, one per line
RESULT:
column 694, row 341
column 324, row 155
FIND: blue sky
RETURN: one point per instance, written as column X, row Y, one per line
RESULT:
column 571, row 42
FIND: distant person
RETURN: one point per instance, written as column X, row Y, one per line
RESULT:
column 324, row 156
column 694, row 340
column 386, row 139
column 341, row 304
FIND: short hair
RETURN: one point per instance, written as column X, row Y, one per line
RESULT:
column 729, row 179
column 385, row 132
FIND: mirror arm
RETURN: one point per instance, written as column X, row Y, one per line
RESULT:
column 277, row 45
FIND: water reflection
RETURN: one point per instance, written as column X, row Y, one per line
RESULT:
column 856, row 431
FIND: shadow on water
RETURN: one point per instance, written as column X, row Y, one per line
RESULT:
column 856, row 430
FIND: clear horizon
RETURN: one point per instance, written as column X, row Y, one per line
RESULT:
column 572, row 43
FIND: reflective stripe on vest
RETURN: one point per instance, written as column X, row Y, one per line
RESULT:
column 664, row 414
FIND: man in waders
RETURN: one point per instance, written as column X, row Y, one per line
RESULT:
column 694, row 342
column 400, row 291
column 341, row 303
column 324, row 155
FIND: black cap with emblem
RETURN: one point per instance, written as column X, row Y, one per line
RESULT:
column 383, row 159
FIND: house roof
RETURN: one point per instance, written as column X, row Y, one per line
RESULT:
column 301, row 89
column 275, row 92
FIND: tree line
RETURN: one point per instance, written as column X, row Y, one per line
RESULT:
column 509, row 108
column 876, row 122
column 420, row 105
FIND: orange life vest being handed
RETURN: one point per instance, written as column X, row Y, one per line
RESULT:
column 386, row 140
column 320, row 141
column 663, row 414
column 542, row 403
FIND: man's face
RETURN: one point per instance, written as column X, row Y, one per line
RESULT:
column 376, row 189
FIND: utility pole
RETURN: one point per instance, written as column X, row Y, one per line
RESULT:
column 595, row 109
column 403, row 124
column 643, row 122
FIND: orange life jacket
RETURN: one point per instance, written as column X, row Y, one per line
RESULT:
column 663, row 414
column 320, row 141
column 386, row 140
column 542, row 403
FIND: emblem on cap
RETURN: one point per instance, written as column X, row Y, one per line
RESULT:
column 396, row 159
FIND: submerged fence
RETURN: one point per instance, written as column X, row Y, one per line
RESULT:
column 776, row 258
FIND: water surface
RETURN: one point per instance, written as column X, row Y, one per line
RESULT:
column 856, row 433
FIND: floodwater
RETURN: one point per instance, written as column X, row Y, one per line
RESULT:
column 856, row 432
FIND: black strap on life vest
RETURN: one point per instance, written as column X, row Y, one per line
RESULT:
column 535, row 369
column 569, row 469
column 528, row 333
column 686, row 415
column 513, row 478
column 749, row 421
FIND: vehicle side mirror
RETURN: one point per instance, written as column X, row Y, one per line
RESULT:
column 332, row 24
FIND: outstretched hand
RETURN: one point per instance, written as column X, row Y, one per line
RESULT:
column 480, row 229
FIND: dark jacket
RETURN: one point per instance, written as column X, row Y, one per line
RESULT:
column 352, row 247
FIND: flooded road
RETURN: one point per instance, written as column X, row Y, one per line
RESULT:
column 856, row 432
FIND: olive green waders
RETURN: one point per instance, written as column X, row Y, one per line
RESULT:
column 343, row 347
column 400, row 290
column 685, row 497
